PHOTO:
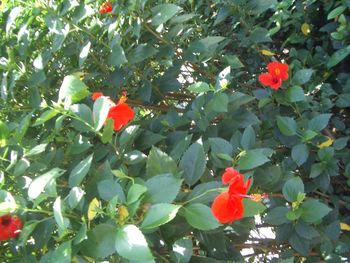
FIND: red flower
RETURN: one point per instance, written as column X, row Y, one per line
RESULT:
column 277, row 72
column 106, row 8
column 228, row 206
column 121, row 113
column 9, row 227
column 96, row 95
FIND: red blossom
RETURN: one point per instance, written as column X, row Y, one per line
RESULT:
column 106, row 8
column 9, row 226
column 96, row 95
column 228, row 206
column 120, row 113
column 277, row 72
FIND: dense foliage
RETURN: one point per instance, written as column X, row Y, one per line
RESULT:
column 87, row 190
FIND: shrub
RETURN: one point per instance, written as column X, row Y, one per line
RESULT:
column 181, row 81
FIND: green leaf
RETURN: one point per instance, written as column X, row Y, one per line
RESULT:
column 159, row 162
column 109, row 188
column 36, row 150
column 219, row 145
column 135, row 192
column 38, row 184
column 131, row 244
column 218, row 103
column 306, row 231
column 338, row 56
column 336, row 12
column 100, row 242
column 163, row 12
column 300, row 244
column 300, row 153
column 302, row 76
column 61, row 254
column 319, row 122
column 252, row 208
column 73, row 88
column 205, row 45
column 254, row 158
column 277, row 216
column 79, row 172
column 76, row 194
column 15, row 12
column 260, row 35
column 141, row 52
column 162, row 188
column 159, row 214
column 248, row 138
column 84, row 52
column 45, row 116
column 117, row 57
column 200, row 217
column 108, row 131
column 343, row 100
column 313, row 211
column 292, row 188
column 4, row 133
column 193, row 163
column 181, row 147
column 57, row 212
column 295, row 94
column 199, row 87
column 316, row 170
column 182, row 250
column 287, row 125
column 100, row 112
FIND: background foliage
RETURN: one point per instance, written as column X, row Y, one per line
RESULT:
column 190, row 69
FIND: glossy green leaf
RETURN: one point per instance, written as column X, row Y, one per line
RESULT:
column 131, row 244
column 314, row 210
column 37, row 186
column 287, row 125
column 292, row 188
column 163, row 12
column 79, row 172
column 193, row 163
column 73, row 88
column 254, row 158
column 159, row 214
column 200, row 217
column 162, row 188
column 300, row 153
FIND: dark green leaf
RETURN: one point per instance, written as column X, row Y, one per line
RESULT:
column 252, row 208
column 319, row 122
column 100, row 112
column 193, row 163
column 72, row 87
column 303, row 76
column 248, row 138
column 131, row 244
column 199, row 87
column 277, row 216
column 163, row 12
column 295, row 94
column 162, row 188
column 159, row 162
column 287, row 125
column 38, row 184
column 159, row 214
column 314, row 210
column 79, row 172
column 292, row 188
column 300, row 153
column 117, row 57
column 338, row 56
column 254, row 158
column 200, row 216
column 141, row 52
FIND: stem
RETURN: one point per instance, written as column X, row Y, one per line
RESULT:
column 203, row 194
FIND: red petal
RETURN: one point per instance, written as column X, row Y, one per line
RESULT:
column 226, row 209
column 121, row 114
column 96, row 95
column 229, row 175
column 279, row 70
column 265, row 79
